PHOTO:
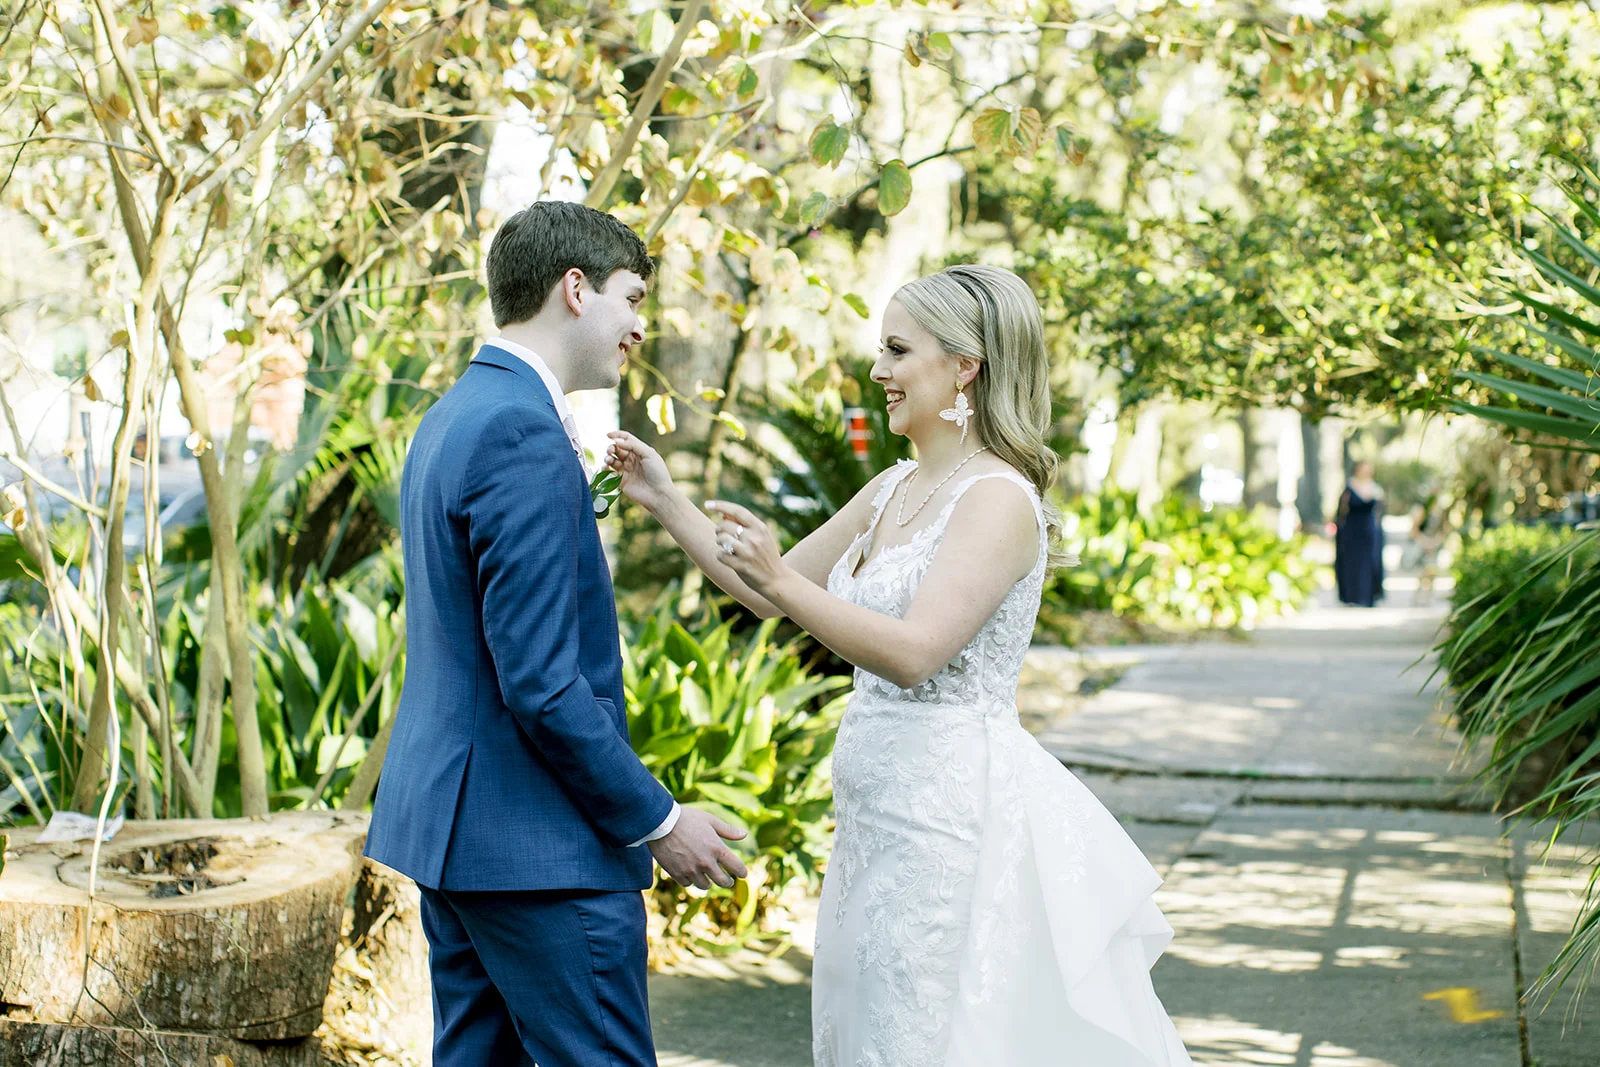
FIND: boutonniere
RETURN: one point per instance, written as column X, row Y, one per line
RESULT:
column 604, row 490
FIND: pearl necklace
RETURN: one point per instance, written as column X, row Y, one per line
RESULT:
column 900, row 516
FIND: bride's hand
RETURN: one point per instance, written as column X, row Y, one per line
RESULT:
column 645, row 479
column 747, row 546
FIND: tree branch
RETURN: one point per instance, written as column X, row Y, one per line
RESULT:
column 148, row 125
column 33, row 475
column 270, row 124
column 606, row 180
column 795, row 235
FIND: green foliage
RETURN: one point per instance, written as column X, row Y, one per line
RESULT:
column 739, row 727
column 1406, row 483
column 1177, row 565
column 1328, row 278
column 1522, row 651
column 322, row 655
column 37, row 758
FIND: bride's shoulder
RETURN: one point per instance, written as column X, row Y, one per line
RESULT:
column 996, row 491
column 993, row 471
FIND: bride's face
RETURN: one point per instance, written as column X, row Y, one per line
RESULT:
column 918, row 376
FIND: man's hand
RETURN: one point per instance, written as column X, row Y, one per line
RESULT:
column 693, row 854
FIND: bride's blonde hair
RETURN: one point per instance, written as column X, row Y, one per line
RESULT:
column 990, row 314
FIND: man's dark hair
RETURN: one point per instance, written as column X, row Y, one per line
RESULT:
column 543, row 241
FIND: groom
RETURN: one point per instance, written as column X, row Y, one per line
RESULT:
column 509, row 791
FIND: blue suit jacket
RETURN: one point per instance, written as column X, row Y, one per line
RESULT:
column 509, row 765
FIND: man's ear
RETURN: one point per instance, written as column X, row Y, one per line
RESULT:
column 574, row 290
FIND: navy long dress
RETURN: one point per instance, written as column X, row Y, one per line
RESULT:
column 1358, row 549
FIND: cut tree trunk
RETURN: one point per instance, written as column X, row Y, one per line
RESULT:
column 222, row 926
column 381, row 1001
column 51, row 1045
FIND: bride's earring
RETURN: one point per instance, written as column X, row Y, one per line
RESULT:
column 961, row 414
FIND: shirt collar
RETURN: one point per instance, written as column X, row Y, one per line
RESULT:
column 531, row 358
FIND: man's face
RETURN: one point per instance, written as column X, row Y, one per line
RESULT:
column 607, row 330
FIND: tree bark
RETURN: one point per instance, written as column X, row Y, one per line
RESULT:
column 26, row 1044
column 1309, row 502
column 234, row 931
column 387, row 933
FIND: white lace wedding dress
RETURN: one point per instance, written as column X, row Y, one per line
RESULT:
column 981, row 909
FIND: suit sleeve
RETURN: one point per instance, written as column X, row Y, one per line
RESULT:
column 523, row 524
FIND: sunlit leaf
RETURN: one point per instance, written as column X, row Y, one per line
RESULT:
column 814, row 207
column 13, row 507
column 662, row 414
column 749, row 80
column 258, row 59
column 991, row 128
column 858, row 305
column 655, row 30
column 894, row 187
column 143, row 31
column 679, row 319
column 829, row 141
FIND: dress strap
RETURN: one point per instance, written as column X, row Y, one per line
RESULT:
column 1011, row 476
column 897, row 474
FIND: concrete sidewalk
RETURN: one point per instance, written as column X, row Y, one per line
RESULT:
column 1340, row 893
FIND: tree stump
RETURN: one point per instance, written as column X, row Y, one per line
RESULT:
column 25, row 1044
column 381, row 1000
column 212, row 926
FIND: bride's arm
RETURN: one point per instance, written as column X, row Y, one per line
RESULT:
column 991, row 543
column 647, row 482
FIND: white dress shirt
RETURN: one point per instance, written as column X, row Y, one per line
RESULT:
column 570, row 424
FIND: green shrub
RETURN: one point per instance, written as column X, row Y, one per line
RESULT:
column 1522, row 646
column 738, row 726
column 1521, row 655
column 1177, row 565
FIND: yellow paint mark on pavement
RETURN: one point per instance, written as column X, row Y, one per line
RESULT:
column 1462, row 1002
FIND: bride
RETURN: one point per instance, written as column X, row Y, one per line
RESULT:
column 981, row 908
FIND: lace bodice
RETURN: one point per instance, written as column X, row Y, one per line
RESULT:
column 985, row 672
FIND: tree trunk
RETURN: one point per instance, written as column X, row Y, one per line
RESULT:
column 1309, row 502
column 26, row 1044
column 1258, row 489
column 213, row 926
column 382, row 986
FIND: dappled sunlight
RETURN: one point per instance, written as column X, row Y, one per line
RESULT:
column 1478, row 848
column 1224, row 1039
column 1293, row 839
column 1145, row 720
column 1413, row 902
column 1202, row 895
column 1388, row 956
column 1553, row 896
column 1327, row 1054
column 1216, row 952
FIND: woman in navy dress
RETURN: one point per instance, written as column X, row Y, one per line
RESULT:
column 1358, row 542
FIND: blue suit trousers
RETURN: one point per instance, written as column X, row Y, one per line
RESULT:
column 548, row 977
